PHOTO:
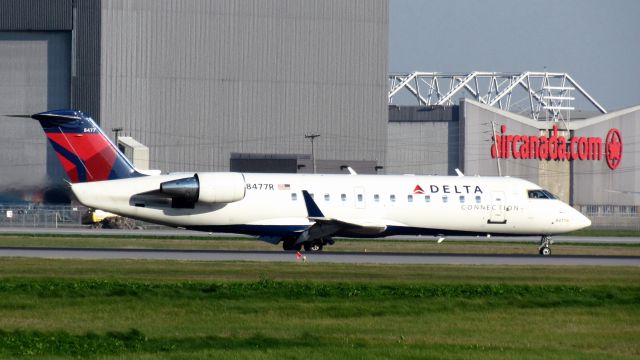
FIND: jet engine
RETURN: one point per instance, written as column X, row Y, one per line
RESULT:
column 205, row 188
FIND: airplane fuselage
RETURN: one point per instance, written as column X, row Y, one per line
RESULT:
column 273, row 205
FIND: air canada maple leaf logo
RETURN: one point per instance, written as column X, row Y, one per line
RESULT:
column 418, row 190
column 613, row 148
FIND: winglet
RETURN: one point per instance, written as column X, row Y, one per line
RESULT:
column 312, row 209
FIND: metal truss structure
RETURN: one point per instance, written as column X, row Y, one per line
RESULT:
column 544, row 95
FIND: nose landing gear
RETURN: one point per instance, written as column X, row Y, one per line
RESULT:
column 545, row 243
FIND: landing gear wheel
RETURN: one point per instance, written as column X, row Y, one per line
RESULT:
column 545, row 242
column 545, row 251
column 290, row 244
column 314, row 246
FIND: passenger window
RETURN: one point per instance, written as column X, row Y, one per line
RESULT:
column 445, row 198
column 478, row 199
column 427, row 198
column 294, row 196
column 376, row 198
column 410, row 198
column 343, row 197
column 326, row 197
column 359, row 197
column 392, row 198
column 462, row 199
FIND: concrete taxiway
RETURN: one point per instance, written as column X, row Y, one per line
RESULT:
column 328, row 257
column 177, row 233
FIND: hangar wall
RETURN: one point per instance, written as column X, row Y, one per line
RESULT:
column 477, row 132
column 36, row 15
column 35, row 64
column 198, row 80
column 581, row 183
column 40, row 69
column 609, row 197
column 595, row 182
column 422, row 140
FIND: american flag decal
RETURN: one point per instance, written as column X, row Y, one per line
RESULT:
column 284, row 187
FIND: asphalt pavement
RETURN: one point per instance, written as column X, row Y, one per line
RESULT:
column 350, row 258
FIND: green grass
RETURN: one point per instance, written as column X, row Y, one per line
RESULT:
column 425, row 245
column 606, row 232
column 59, row 309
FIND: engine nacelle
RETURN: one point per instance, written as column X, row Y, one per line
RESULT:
column 206, row 188
column 221, row 187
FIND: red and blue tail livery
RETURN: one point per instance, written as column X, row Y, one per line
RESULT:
column 84, row 151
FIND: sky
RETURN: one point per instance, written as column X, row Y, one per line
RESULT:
column 597, row 42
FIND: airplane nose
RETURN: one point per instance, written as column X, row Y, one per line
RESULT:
column 581, row 221
column 586, row 221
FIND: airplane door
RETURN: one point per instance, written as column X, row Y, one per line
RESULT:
column 497, row 215
column 358, row 193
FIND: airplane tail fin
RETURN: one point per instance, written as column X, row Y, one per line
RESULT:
column 84, row 151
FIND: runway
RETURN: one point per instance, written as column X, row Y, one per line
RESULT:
column 327, row 257
column 178, row 233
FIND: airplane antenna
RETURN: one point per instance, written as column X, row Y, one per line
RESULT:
column 313, row 154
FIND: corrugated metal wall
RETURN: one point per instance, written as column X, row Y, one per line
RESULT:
column 197, row 80
column 85, row 72
column 477, row 133
column 588, row 182
column 594, row 182
column 34, row 77
column 35, row 15
column 422, row 140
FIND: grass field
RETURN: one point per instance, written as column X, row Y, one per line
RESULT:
column 427, row 245
column 59, row 309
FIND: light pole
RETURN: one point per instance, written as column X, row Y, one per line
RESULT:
column 313, row 154
column 495, row 145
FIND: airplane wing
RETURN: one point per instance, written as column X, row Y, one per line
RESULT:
column 327, row 226
column 356, row 226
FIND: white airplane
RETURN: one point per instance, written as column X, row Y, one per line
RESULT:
column 302, row 210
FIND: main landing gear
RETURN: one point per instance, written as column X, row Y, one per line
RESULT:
column 290, row 244
column 545, row 243
column 312, row 246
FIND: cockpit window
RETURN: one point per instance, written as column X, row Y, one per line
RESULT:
column 540, row 194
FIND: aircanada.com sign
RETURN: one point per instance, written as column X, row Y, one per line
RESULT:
column 556, row 147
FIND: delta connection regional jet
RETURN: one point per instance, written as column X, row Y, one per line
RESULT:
column 302, row 210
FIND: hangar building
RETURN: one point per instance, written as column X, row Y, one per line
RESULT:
column 588, row 159
column 197, row 81
column 219, row 85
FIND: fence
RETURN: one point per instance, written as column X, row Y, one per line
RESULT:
column 31, row 215
column 612, row 216
column 57, row 216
